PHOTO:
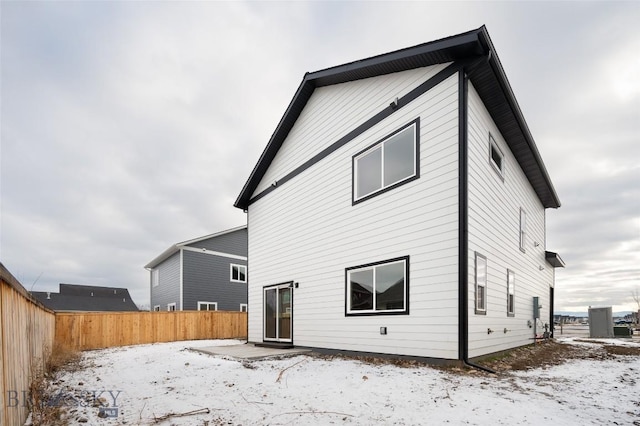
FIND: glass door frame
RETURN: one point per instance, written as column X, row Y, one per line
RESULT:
column 277, row 288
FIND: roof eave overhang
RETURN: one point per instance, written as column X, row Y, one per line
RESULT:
column 162, row 257
column 488, row 78
column 177, row 246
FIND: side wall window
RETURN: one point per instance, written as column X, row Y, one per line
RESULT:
column 238, row 273
column 378, row 288
column 387, row 163
column 496, row 158
column 511, row 286
column 155, row 277
column 207, row 306
column 523, row 230
column 481, row 284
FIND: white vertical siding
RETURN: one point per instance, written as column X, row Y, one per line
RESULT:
column 308, row 231
column 333, row 111
column 494, row 218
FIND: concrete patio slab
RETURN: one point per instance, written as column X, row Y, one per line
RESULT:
column 249, row 351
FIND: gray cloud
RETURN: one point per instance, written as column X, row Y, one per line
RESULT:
column 128, row 126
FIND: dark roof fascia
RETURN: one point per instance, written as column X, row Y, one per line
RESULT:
column 440, row 51
column 554, row 259
column 489, row 74
column 536, row 170
column 444, row 50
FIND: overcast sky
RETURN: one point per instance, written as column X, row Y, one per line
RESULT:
column 127, row 127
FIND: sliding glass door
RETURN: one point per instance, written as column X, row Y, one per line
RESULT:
column 278, row 306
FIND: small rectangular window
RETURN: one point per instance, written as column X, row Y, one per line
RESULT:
column 481, row 284
column 523, row 229
column 171, row 307
column 155, row 277
column 243, row 307
column 378, row 288
column 511, row 283
column 386, row 164
column 156, row 308
column 238, row 273
column 207, row 306
column 495, row 156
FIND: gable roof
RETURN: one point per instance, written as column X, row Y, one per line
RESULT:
column 487, row 76
column 177, row 246
column 73, row 297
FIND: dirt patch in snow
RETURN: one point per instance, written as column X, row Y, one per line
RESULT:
column 542, row 354
column 550, row 353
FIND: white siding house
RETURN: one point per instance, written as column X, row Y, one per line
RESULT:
column 376, row 194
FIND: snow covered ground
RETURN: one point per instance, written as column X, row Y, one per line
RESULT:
column 150, row 381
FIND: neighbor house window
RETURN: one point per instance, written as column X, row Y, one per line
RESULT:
column 378, row 288
column 511, row 284
column 243, row 307
column 238, row 273
column 171, row 307
column 207, row 306
column 523, row 229
column 481, row 284
column 155, row 277
column 495, row 156
column 387, row 163
column 156, row 308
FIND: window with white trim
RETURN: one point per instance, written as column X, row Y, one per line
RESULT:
column 496, row 158
column 386, row 164
column 511, row 284
column 481, row 284
column 378, row 288
column 523, row 229
column 243, row 307
column 238, row 273
column 171, row 307
column 156, row 308
column 155, row 277
column 207, row 306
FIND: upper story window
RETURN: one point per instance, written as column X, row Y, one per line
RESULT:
column 378, row 288
column 156, row 308
column 481, row 284
column 523, row 229
column 496, row 158
column 388, row 163
column 155, row 277
column 238, row 273
column 171, row 307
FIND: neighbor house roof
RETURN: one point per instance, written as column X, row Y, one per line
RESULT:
column 487, row 76
column 176, row 247
column 73, row 297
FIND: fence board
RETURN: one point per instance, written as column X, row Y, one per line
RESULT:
column 97, row 330
column 26, row 338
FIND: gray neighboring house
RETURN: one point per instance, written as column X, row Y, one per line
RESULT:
column 86, row 298
column 206, row 273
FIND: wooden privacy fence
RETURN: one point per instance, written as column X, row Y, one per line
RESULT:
column 26, row 339
column 95, row 330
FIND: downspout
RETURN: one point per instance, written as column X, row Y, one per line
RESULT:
column 463, row 224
